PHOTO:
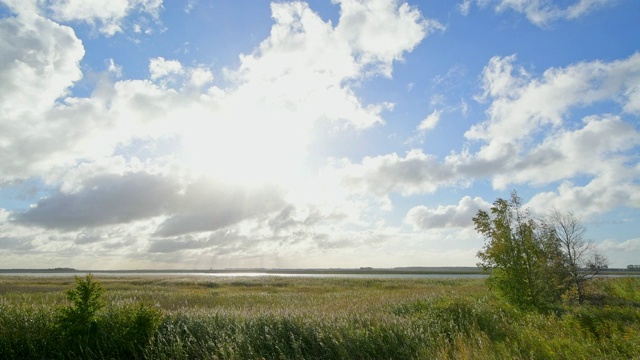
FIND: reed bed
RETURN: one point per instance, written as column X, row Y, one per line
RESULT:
column 186, row 317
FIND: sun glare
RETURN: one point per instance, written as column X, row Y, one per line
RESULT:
column 249, row 147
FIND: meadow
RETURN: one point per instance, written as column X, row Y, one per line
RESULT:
column 197, row 317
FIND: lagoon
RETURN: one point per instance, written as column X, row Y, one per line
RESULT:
column 257, row 274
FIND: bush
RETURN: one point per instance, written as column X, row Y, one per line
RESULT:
column 79, row 320
column 121, row 332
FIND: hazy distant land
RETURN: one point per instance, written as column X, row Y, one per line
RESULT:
column 363, row 270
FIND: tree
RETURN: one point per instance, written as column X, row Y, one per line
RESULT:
column 515, row 253
column 86, row 296
column 581, row 260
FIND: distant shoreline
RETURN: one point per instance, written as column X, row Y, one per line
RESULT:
column 407, row 270
column 374, row 271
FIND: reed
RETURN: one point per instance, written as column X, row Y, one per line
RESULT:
column 314, row 318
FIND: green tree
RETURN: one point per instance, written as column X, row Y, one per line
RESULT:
column 514, row 253
column 80, row 318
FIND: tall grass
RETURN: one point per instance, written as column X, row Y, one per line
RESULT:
column 310, row 318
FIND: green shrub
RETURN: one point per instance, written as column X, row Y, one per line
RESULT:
column 79, row 320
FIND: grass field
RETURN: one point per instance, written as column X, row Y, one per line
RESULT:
column 175, row 317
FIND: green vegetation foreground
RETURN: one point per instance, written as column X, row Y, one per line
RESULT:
column 306, row 318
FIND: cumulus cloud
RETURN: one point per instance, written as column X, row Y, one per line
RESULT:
column 449, row 216
column 314, row 62
column 53, row 140
column 176, row 164
column 107, row 200
column 380, row 39
column 531, row 136
column 588, row 150
column 171, row 73
column 416, row 172
column 40, row 61
column 521, row 106
column 598, row 196
column 525, row 109
column 159, row 68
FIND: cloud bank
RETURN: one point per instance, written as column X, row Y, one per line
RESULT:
column 178, row 166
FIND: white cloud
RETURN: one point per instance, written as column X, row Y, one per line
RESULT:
column 315, row 62
column 585, row 151
column 630, row 245
column 380, row 31
column 159, row 68
column 417, row 172
column 108, row 16
column 541, row 12
column 305, row 65
column 531, row 137
column 429, row 122
column 522, row 106
column 450, row 216
column 53, row 140
column 116, row 193
column 26, row 8
column 465, row 7
column 40, row 61
column 199, row 77
column 600, row 195
column 584, row 7
column 172, row 72
column 621, row 253
column 114, row 68
column 210, row 150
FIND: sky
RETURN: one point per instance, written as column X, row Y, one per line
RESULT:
column 197, row 134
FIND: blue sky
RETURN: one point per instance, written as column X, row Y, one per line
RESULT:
column 212, row 134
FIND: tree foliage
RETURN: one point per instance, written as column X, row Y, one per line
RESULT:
column 84, row 323
column 513, row 252
column 86, row 297
column 533, row 263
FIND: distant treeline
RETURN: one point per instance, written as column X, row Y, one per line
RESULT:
column 59, row 269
